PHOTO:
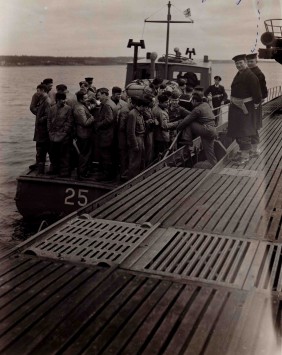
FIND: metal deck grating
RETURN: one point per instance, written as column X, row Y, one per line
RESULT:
column 62, row 308
column 266, row 270
column 92, row 241
column 199, row 256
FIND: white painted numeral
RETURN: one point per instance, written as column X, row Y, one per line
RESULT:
column 81, row 197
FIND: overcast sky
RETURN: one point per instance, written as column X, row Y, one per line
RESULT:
column 221, row 28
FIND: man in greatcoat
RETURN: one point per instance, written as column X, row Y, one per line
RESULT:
column 84, row 122
column 252, row 64
column 60, row 127
column 245, row 100
column 135, row 137
column 41, row 136
column 104, row 127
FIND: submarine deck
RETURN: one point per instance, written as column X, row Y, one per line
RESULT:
column 186, row 261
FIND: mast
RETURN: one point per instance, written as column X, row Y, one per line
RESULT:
column 168, row 22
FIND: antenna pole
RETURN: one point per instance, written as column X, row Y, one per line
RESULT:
column 167, row 39
column 168, row 22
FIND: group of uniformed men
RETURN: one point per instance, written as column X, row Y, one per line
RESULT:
column 125, row 134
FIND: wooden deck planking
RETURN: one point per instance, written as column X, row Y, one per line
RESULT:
column 168, row 200
column 137, row 207
column 232, row 204
column 137, row 192
column 215, row 202
column 257, row 333
column 32, row 314
column 188, row 207
column 259, row 221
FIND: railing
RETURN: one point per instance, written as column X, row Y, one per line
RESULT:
column 273, row 93
column 274, row 26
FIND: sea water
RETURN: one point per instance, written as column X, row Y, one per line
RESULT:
column 17, row 149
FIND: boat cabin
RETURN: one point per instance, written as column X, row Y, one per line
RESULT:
column 144, row 70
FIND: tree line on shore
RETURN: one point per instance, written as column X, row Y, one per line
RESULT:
column 25, row 60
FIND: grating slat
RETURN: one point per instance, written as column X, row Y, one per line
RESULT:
column 266, row 269
column 92, row 241
column 199, row 256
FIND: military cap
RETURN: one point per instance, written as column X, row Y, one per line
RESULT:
column 83, row 82
column 189, row 89
column 62, row 88
column 239, row 57
column 42, row 87
column 163, row 98
column 174, row 95
column 199, row 88
column 116, row 90
column 252, row 56
column 217, row 77
column 181, row 82
column 89, row 79
column 157, row 81
column 47, row 81
column 103, row 91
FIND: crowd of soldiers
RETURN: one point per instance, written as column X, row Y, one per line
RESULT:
column 123, row 134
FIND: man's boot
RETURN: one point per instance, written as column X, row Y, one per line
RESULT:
column 245, row 157
column 41, row 169
column 255, row 151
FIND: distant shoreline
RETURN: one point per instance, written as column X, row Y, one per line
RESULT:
column 27, row 61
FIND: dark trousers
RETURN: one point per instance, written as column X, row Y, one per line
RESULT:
column 207, row 134
column 245, row 143
column 216, row 111
column 160, row 147
column 136, row 158
column 85, row 149
column 106, row 161
column 149, row 147
column 42, row 148
column 60, row 156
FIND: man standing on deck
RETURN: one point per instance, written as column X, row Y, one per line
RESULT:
column 218, row 96
column 36, row 96
column 252, row 64
column 60, row 128
column 41, row 135
column 84, row 122
column 245, row 100
column 135, row 137
column 104, row 127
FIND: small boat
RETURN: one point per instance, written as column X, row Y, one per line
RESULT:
column 57, row 197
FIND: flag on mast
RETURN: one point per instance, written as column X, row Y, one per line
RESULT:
column 187, row 12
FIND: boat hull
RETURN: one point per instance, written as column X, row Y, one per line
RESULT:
column 38, row 197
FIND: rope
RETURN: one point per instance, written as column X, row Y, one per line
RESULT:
column 155, row 13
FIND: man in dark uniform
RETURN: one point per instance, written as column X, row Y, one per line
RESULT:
column 135, row 137
column 185, row 100
column 218, row 95
column 41, row 136
column 176, row 113
column 245, row 100
column 60, row 127
column 252, row 64
column 105, row 135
